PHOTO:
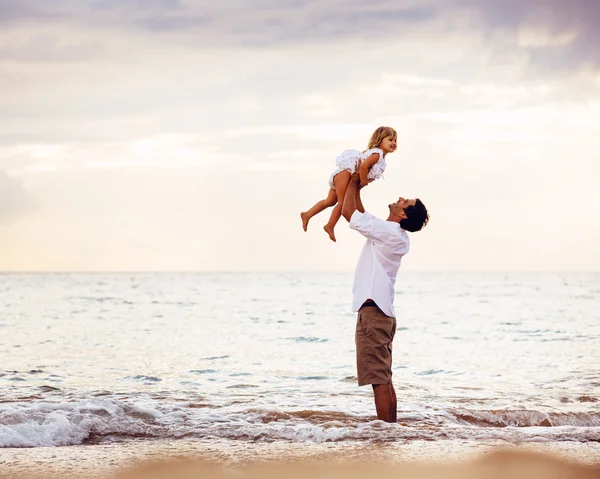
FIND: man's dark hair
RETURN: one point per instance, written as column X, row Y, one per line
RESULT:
column 417, row 217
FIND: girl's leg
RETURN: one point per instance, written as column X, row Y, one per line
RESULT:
column 318, row 207
column 341, row 182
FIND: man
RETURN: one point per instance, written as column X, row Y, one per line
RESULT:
column 373, row 290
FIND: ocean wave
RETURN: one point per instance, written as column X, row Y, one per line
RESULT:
column 39, row 423
column 308, row 339
column 526, row 418
column 44, row 423
column 141, row 377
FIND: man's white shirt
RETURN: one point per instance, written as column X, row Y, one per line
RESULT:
column 379, row 261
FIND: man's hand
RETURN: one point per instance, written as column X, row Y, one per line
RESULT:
column 362, row 185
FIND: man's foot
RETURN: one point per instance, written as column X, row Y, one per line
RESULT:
column 329, row 230
column 305, row 219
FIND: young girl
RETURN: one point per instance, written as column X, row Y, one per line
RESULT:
column 382, row 142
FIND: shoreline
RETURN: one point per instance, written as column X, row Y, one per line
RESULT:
column 102, row 460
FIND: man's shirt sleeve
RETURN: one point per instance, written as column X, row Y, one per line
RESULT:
column 371, row 227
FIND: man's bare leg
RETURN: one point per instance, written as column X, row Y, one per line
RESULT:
column 385, row 402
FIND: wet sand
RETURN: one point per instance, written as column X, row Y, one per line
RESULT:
column 95, row 461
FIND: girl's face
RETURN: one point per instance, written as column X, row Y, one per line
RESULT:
column 388, row 144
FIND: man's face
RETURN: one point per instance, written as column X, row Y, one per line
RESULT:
column 399, row 206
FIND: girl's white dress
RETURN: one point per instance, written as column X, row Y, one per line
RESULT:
column 348, row 159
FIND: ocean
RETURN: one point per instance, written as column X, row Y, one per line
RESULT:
column 257, row 359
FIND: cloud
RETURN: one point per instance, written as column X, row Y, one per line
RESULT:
column 176, row 151
column 566, row 33
column 12, row 12
column 47, row 45
column 268, row 23
column 15, row 201
column 195, row 24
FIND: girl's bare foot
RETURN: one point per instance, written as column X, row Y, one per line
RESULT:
column 305, row 219
column 329, row 230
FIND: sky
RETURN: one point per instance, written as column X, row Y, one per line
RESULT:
column 188, row 135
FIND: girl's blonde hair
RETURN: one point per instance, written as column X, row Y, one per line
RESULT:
column 379, row 134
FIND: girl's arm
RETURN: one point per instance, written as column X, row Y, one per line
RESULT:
column 363, row 169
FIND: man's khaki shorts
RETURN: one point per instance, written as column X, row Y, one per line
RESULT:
column 374, row 335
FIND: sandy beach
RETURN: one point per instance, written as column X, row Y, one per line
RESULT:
column 94, row 461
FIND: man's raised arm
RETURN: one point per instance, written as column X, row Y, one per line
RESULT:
column 359, row 205
column 352, row 201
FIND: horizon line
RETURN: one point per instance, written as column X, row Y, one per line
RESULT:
column 465, row 271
